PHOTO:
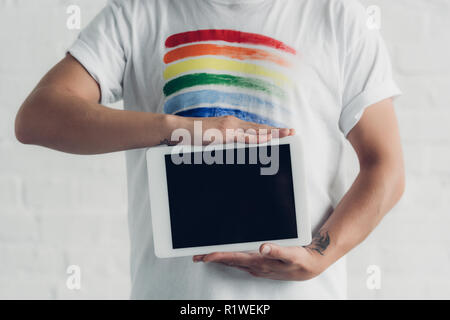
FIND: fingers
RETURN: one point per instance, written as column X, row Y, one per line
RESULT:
column 276, row 252
column 250, row 132
column 252, row 136
column 232, row 258
column 268, row 265
column 255, row 126
column 233, row 129
column 257, row 136
column 198, row 258
column 251, row 262
column 261, row 130
column 266, row 251
column 272, row 262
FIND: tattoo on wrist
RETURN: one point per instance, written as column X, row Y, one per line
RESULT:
column 320, row 242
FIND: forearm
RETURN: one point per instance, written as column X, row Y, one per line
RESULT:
column 54, row 118
column 375, row 191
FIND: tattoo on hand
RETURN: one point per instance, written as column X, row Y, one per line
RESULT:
column 320, row 242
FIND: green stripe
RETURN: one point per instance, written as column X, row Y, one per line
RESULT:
column 198, row 79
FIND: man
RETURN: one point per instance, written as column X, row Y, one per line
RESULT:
column 308, row 65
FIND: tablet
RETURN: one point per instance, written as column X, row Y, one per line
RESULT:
column 230, row 197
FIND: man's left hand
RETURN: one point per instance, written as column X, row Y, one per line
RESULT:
column 272, row 262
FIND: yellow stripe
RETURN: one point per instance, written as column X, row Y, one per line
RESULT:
column 176, row 69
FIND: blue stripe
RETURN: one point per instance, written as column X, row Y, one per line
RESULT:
column 189, row 99
column 218, row 112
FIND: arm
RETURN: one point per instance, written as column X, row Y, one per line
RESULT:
column 63, row 113
column 378, row 187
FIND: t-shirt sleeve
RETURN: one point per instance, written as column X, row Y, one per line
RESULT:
column 103, row 47
column 367, row 72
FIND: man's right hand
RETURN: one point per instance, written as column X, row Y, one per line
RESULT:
column 231, row 128
column 63, row 113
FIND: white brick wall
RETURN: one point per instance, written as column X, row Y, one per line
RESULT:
column 58, row 209
column 411, row 244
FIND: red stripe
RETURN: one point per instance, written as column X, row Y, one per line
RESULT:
column 228, row 36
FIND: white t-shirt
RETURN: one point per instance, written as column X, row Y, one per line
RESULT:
column 313, row 65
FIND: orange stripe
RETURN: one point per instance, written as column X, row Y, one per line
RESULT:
column 220, row 50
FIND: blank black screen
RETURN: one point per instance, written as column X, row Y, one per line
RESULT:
column 230, row 203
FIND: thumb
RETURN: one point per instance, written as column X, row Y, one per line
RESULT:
column 273, row 251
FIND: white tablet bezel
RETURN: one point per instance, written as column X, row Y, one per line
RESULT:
column 159, row 201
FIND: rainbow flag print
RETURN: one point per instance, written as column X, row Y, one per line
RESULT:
column 210, row 73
